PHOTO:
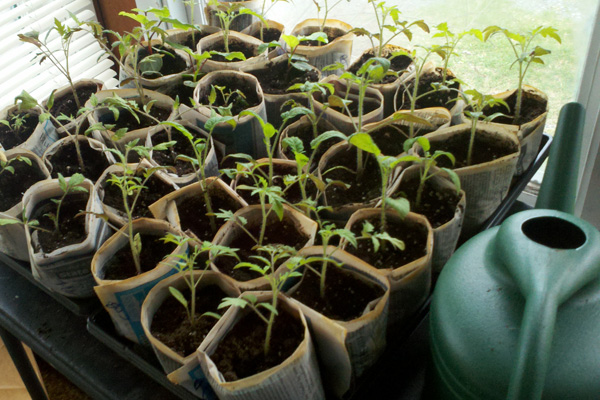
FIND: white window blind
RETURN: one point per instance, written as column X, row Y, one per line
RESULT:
column 20, row 71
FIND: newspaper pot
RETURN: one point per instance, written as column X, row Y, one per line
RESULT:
column 61, row 157
column 390, row 134
column 271, row 31
column 528, row 290
column 445, row 218
column 363, row 191
column 487, row 183
column 531, row 130
column 303, row 130
column 12, row 237
column 430, row 74
column 169, row 358
column 339, row 49
column 65, row 270
column 116, row 216
column 390, row 84
column 275, row 79
column 163, row 108
column 181, row 172
column 346, row 347
column 410, row 280
column 123, row 298
column 300, row 232
column 296, row 378
column 216, row 42
column 372, row 106
column 239, row 23
column 64, row 103
column 184, row 208
column 247, row 136
column 37, row 138
column 185, row 37
column 180, row 63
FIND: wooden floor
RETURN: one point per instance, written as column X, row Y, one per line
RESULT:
column 11, row 385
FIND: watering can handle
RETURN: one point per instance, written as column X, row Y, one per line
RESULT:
column 559, row 186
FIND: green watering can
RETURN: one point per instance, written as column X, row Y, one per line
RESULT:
column 516, row 311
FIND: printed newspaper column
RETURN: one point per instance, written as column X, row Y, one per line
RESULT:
column 40, row 139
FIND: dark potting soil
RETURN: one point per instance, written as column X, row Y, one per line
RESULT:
column 332, row 34
column 173, row 63
column 172, row 326
column 155, row 189
column 10, row 138
column 67, row 105
column 438, row 206
column 439, row 98
column 305, row 133
column 121, row 265
column 340, row 286
column 531, row 107
column 168, row 157
column 277, row 78
column 277, row 232
column 65, row 161
column 71, row 225
column 369, row 105
column 192, row 212
column 247, row 49
column 241, row 352
column 184, row 92
column 14, row 185
column 362, row 189
column 485, row 149
column 192, row 42
column 269, row 34
column 414, row 237
column 398, row 64
column 239, row 103
column 127, row 120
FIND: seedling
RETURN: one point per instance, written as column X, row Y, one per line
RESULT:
column 32, row 224
column 73, row 185
column 265, row 265
column 451, row 41
column 396, row 28
column 227, row 14
column 264, row 10
column 16, row 122
column 525, row 53
column 379, row 239
column 328, row 232
column 188, row 262
column 328, row 8
column 426, row 162
column 5, row 163
column 130, row 185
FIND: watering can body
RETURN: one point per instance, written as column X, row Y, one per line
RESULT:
column 516, row 312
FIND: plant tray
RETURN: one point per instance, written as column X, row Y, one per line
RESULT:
column 403, row 361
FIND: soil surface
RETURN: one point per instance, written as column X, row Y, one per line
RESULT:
column 485, row 149
column 10, row 138
column 531, row 107
column 369, row 105
column 277, row 78
column 239, row 103
column 340, row 285
column 192, row 42
column 362, row 189
column 438, row 206
column 413, row 236
column 65, row 161
column 305, row 133
column 240, row 354
column 121, row 265
column 332, row 34
column 184, row 92
column 168, row 157
column 192, row 212
column 439, row 98
column 71, row 226
column 155, row 189
column 245, row 244
column 127, row 120
column 172, row 326
column 398, row 64
column 173, row 63
column 247, row 49
column 269, row 34
column 390, row 139
column 68, row 106
column 15, row 185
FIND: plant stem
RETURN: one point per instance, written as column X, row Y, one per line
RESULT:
column 471, row 141
column 270, row 325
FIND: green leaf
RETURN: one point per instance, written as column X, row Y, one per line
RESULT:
column 365, row 142
column 269, row 307
column 7, row 221
column 454, row 178
column 291, row 41
column 179, row 296
column 25, row 101
column 325, row 136
column 400, row 205
column 50, row 102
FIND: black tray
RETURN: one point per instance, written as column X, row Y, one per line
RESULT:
column 82, row 307
column 400, row 372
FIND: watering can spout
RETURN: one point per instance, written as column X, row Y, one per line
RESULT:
column 559, row 187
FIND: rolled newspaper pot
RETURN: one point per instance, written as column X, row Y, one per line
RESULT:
column 184, row 38
column 216, row 40
column 123, row 298
column 12, row 237
column 65, row 270
column 255, row 28
column 410, row 283
column 40, row 139
column 239, row 23
column 346, row 349
column 296, row 378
